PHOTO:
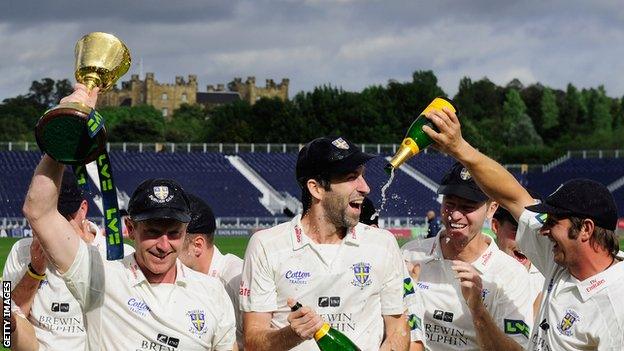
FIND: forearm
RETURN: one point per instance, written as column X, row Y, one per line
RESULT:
column 271, row 339
column 42, row 195
column 489, row 336
column 397, row 333
column 24, row 293
column 494, row 179
column 56, row 235
column 23, row 337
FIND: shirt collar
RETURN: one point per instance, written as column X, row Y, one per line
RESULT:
column 300, row 239
column 216, row 262
column 596, row 283
column 485, row 260
column 135, row 274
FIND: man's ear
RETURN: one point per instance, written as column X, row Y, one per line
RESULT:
column 198, row 243
column 495, row 225
column 492, row 206
column 131, row 227
column 316, row 189
column 587, row 229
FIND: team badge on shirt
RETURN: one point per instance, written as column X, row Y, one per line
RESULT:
column 198, row 322
column 567, row 322
column 361, row 271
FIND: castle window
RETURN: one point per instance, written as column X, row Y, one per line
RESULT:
column 184, row 99
column 164, row 96
column 165, row 112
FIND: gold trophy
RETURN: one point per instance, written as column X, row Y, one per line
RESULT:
column 73, row 133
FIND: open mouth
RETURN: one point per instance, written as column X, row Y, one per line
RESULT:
column 356, row 205
column 458, row 226
column 520, row 257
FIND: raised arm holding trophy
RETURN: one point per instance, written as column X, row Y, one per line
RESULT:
column 73, row 133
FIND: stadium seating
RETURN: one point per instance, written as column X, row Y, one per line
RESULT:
column 211, row 176
column 605, row 171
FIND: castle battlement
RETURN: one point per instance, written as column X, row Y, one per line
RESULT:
column 169, row 96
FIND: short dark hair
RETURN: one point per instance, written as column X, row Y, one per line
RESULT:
column 306, row 197
column 601, row 238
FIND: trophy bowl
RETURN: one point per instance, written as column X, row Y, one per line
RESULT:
column 64, row 132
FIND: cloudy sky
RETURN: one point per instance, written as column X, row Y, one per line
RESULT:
column 348, row 43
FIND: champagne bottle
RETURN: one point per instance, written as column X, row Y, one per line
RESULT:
column 415, row 139
column 330, row 339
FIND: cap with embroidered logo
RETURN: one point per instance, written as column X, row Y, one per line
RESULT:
column 458, row 182
column 159, row 198
column 329, row 156
column 581, row 198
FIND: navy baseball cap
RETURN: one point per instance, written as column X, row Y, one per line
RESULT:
column 458, row 181
column 202, row 218
column 581, row 198
column 159, row 198
column 70, row 195
column 329, row 156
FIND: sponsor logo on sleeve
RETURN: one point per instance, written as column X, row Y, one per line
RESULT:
column 565, row 326
column 244, row 290
column 408, row 286
column 361, row 272
column 514, row 327
column 541, row 217
column 414, row 322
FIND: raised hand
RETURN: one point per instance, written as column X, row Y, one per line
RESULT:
column 81, row 94
column 470, row 282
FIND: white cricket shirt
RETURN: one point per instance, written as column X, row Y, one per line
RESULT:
column 352, row 291
column 124, row 311
column 447, row 320
column 536, row 280
column 228, row 268
column 574, row 315
column 55, row 314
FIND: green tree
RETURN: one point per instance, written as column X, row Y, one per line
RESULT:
column 599, row 106
column 230, row 123
column 519, row 129
column 18, row 117
column 188, row 124
column 141, row 123
column 549, row 109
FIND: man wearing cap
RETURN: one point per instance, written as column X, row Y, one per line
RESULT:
column 201, row 254
column 570, row 238
column 39, row 291
column 471, row 290
column 343, row 272
column 148, row 300
column 505, row 228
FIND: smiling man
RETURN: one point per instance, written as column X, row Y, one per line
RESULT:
column 345, row 273
column 571, row 239
column 148, row 300
column 471, row 290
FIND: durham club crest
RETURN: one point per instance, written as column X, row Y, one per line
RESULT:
column 161, row 194
column 567, row 322
column 361, row 272
column 198, row 321
column 341, row 144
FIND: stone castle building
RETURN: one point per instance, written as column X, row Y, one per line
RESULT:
column 168, row 97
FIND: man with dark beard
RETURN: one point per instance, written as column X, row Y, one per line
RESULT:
column 342, row 272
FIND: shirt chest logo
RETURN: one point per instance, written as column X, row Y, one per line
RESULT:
column 361, row 273
column 565, row 326
column 138, row 306
column 198, row 322
column 297, row 277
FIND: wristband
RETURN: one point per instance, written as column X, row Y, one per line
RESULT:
column 31, row 272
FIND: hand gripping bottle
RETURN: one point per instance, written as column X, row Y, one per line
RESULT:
column 415, row 139
column 329, row 339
